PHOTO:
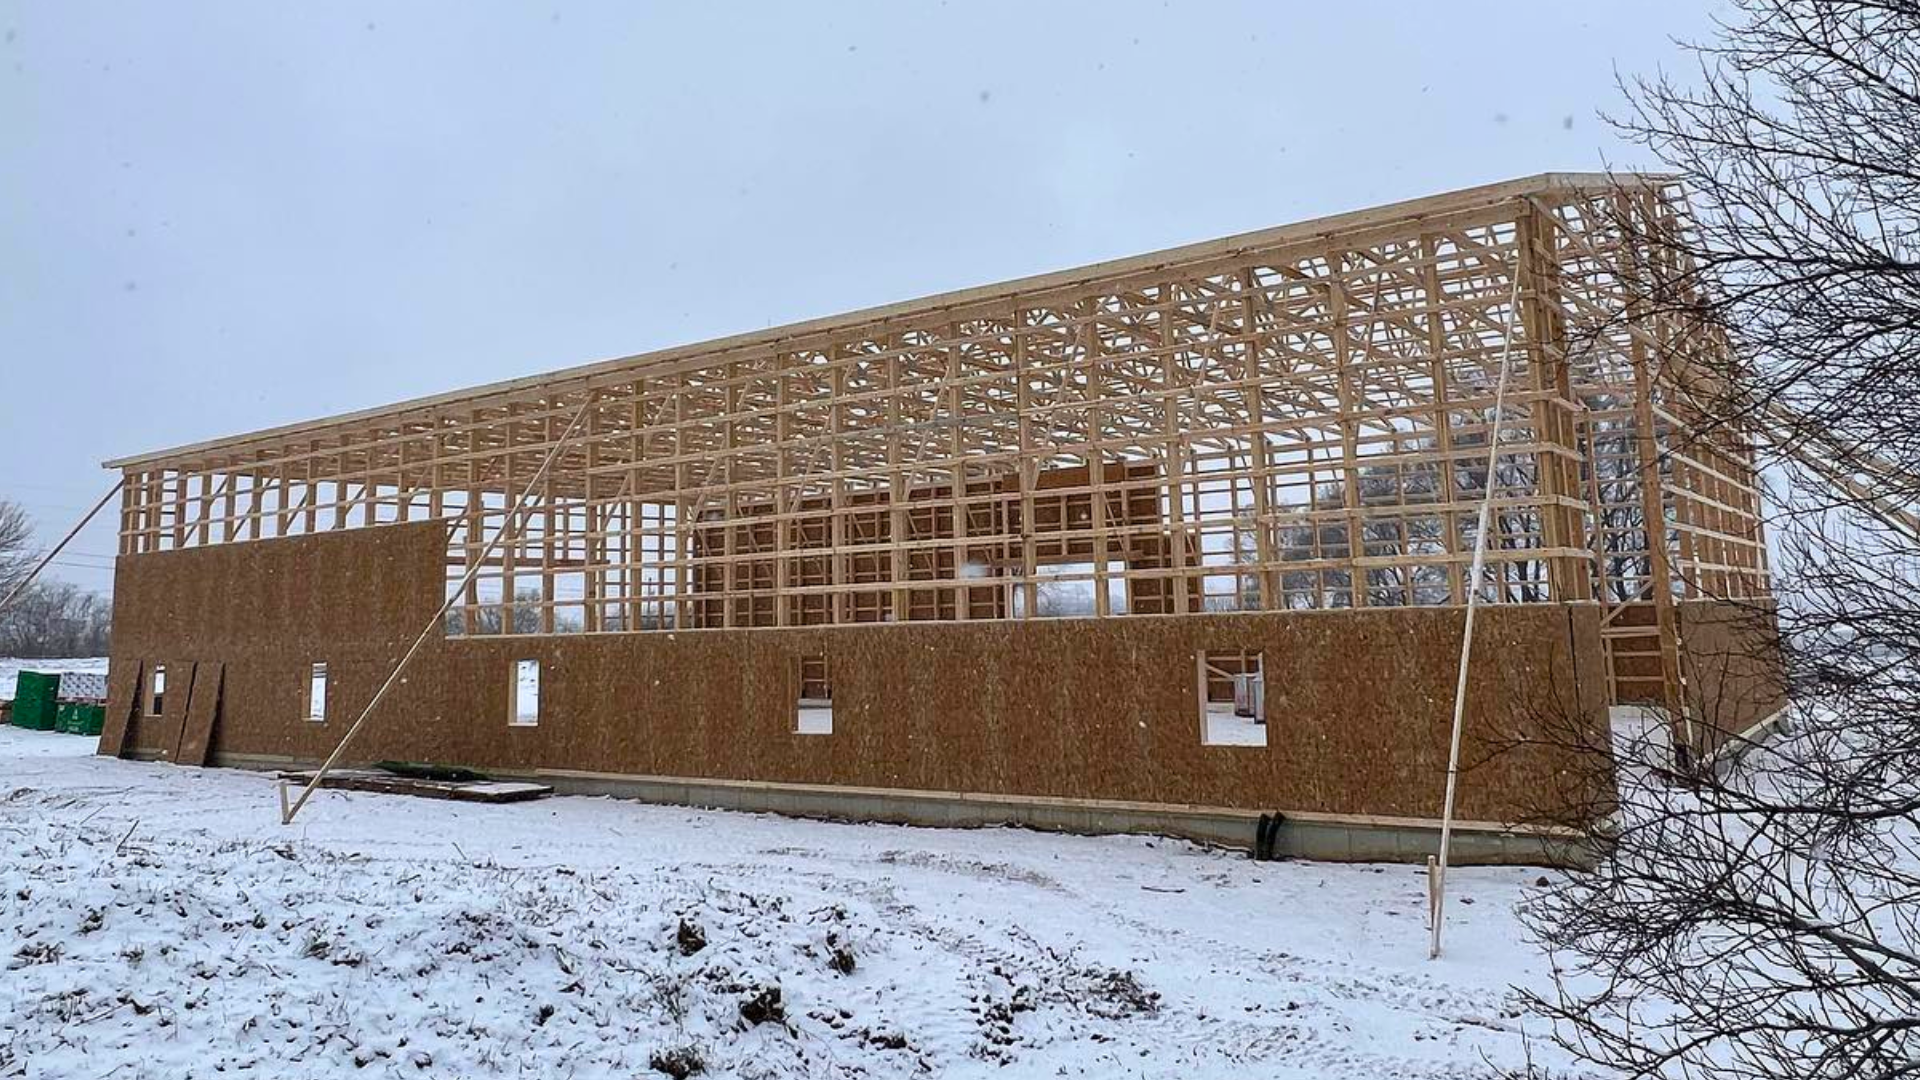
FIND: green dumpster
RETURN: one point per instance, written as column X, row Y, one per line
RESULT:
column 34, row 700
column 90, row 720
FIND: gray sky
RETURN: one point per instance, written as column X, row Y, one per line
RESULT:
column 216, row 218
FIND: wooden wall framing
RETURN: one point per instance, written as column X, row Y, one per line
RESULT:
column 1292, row 419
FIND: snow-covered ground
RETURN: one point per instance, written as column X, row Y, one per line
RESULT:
column 160, row 921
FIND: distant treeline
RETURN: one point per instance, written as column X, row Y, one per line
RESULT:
column 52, row 618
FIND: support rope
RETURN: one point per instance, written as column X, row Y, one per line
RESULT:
column 1437, row 871
column 287, row 811
column 17, row 590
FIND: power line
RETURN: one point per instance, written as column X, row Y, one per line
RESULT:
column 107, row 559
column 41, row 485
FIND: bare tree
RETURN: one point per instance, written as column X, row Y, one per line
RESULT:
column 49, row 618
column 55, row 619
column 1384, row 586
column 16, row 533
column 1397, row 486
column 1762, row 917
column 494, row 618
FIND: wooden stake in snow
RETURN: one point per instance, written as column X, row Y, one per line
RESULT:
column 1437, row 869
column 64, row 541
column 287, row 811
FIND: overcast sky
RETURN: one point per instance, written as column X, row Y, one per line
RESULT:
column 217, row 218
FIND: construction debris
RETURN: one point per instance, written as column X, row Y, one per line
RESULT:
column 386, row 783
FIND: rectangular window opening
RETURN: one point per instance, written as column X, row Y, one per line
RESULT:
column 526, row 693
column 317, row 693
column 813, row 697
column 156, row 689
column 1233, row 698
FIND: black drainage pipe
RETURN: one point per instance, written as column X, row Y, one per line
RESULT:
column 1266, row 836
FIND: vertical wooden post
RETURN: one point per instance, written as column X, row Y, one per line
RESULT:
column 1095, row 392
column 1558, row 482
column 1442, row 412
column 1643, row 311
column 1255, row 375
column 840, row 567
column 1176, row 456
column 1027, row 474
column 1355, row 478
column 897, row 489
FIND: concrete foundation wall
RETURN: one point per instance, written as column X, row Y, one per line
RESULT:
column 1358, row 702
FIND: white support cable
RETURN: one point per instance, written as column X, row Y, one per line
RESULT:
column 1437, row 871
column 287, row 811
column 21, row 588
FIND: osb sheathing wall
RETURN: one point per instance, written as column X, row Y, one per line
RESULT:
column 1358, row 701
column 1736, row 676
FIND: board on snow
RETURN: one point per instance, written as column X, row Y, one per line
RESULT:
column 486, row 791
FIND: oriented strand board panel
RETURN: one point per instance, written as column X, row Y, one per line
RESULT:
column 161, row 734
column 203, row 711
column 1358, row 703
column 1735, row 673
column 123, row 692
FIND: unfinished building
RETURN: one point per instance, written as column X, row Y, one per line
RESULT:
column 1163, row 543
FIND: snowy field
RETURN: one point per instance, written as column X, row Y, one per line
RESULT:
column 161, row 922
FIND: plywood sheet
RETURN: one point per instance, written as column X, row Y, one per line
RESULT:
column 203, row 712
column 1735, row 671
column 167, row 728
column 1358, row 702
column 386, row 783
column 123, row 696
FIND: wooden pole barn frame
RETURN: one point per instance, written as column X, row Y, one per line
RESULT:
column 1287, row 419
